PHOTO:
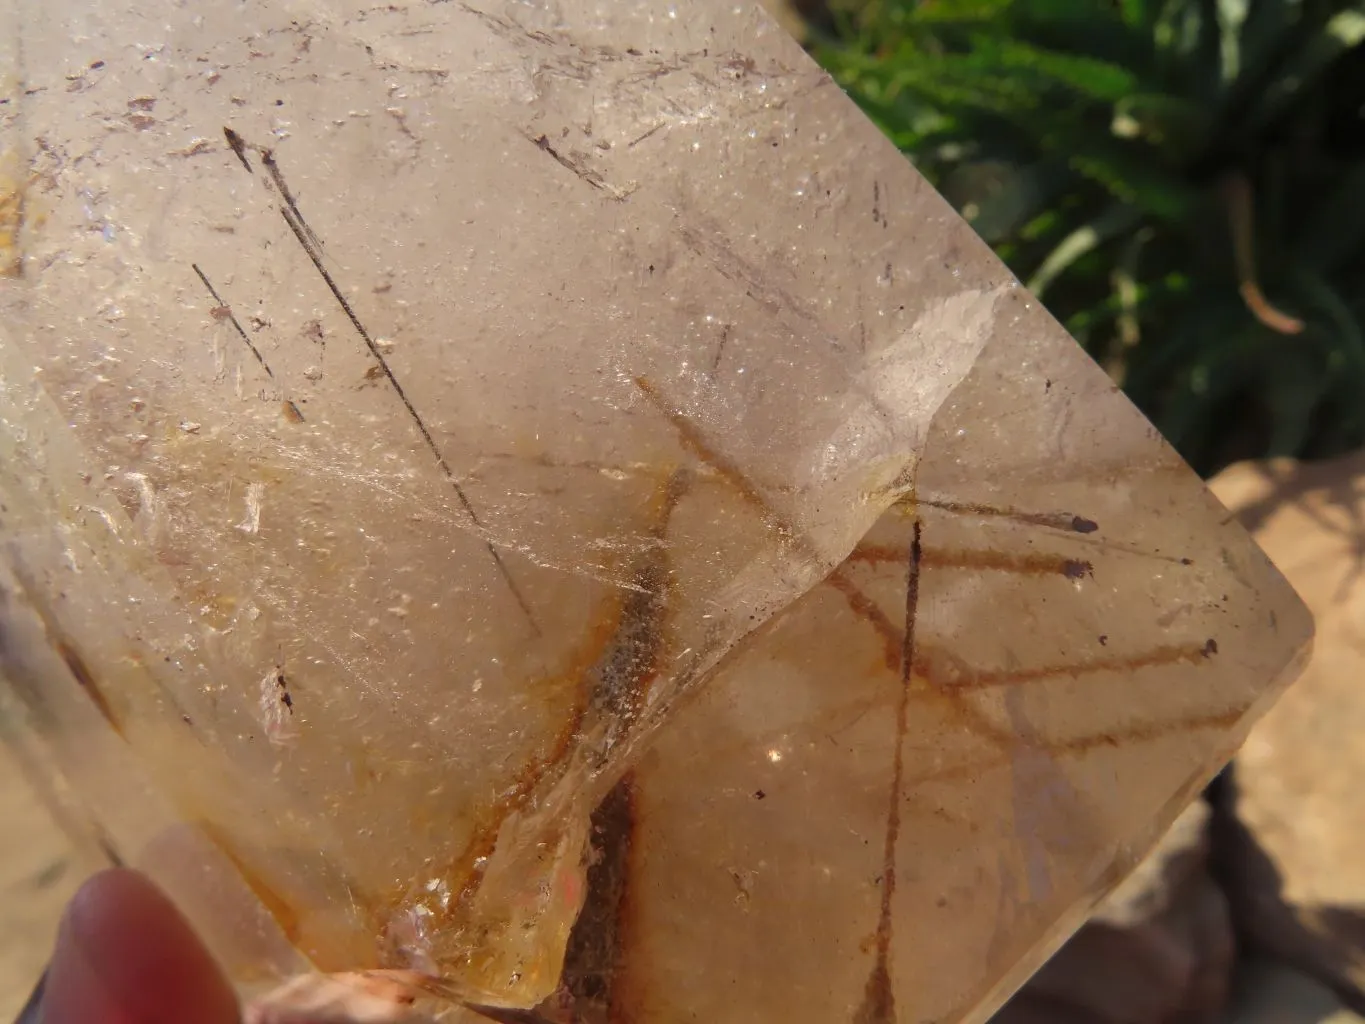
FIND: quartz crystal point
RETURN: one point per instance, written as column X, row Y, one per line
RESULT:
column 542, row 495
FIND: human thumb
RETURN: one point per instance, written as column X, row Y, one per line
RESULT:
column 125, row 955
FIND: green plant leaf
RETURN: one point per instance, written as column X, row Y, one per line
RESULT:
column 960, row 12
column 1128, row 295
column 1215, row 374
column 1058, row 127
column 1096, row 79
column 1305, row 66
column 1337, row 315
column 1097, row 30
column 1186, row 40
column 1170, row 123
column 1026, row 194
column 1176, row 29
column 1211, row 320
column 1138, row 13
column 1116, row 220
column 1268, row 26
column 1232, row 16
column 1130, row 178
column 1295, row 385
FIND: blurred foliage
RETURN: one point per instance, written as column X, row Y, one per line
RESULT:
column 1181, row 181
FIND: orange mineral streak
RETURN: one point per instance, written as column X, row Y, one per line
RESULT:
column 869, row 611
column 944, row 681
column 462, row 874
column 696, row 442
column 921, row 686
column 941, row 678
column 1022, row 563
column 610, row 626
column 12, row 216
column 277, row 905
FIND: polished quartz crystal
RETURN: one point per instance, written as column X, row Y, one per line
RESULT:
column 541, row 499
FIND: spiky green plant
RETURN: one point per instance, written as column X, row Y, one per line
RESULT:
column 1181, row 182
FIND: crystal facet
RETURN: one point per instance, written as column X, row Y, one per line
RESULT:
column 545, row 497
